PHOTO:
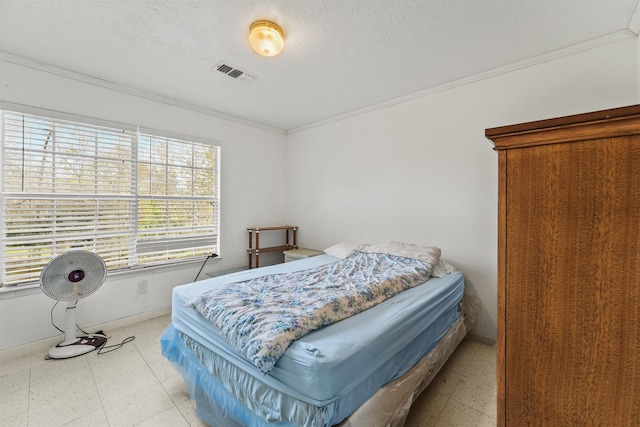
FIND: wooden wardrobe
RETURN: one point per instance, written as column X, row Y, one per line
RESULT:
column 569, row 270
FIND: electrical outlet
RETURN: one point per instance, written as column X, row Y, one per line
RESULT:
column 142, row 287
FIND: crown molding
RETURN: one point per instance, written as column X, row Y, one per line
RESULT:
column 95, row 81
column 529, row 62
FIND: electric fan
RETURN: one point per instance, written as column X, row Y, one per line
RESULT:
column 70, row 277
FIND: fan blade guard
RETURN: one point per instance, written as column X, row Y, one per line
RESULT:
column 73, row 275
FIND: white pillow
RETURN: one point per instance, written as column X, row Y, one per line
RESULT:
column 426, row 254
column 442, row 268
column 341, row 250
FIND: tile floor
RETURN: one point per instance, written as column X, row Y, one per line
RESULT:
column 135, row 386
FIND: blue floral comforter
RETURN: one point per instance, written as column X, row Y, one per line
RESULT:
column 262, row 316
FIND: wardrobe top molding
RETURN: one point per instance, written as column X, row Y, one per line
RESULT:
column 579, row 127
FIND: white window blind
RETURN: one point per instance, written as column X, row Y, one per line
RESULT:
column 177, row 198
column 134, row 198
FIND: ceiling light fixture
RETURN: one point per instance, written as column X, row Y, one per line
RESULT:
column 266, row 38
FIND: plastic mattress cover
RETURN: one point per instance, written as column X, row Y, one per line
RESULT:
column 389, row 406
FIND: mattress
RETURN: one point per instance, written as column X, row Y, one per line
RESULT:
column 331, row 371
column 388, row 407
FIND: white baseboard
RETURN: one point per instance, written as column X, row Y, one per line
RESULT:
column 32, row 347
column 484, row 339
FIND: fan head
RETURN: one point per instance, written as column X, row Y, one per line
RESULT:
column 73, row 275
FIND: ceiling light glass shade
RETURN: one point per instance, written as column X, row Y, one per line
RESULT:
column 266, row 38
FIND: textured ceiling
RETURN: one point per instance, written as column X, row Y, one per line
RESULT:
column 340, row 55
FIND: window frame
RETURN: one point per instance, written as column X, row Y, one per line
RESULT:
column 137, row 131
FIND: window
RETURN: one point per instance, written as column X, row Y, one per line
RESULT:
column 135, row 197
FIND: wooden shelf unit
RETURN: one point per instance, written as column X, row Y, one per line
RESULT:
column 290, row 238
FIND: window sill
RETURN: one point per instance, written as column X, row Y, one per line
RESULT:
column 9, row 292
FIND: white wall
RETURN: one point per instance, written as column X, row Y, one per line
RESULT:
column 421, row 171
column 247, row 153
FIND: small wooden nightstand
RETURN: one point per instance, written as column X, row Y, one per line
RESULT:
column 301, row 253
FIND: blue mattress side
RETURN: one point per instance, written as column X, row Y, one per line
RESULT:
column 217, row 406
column 214, row 404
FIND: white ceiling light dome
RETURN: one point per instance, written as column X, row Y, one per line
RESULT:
column 266, row 38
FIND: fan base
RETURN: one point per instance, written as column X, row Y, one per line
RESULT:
column 82, row 345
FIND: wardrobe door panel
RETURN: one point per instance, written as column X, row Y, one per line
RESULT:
column 572, row 283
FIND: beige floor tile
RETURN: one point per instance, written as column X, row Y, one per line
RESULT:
column 14, row 393
column 57, row 369
column 151, row 353
column 477, row 395
column 18, row 420
column 445, row 382
column 14, row 364
column 119, row 362
column 177, row 389
column 188, row 411
column 76, row 389
column 60, row 413
column 146, row 327
column 426, row 409
column 95, row 418
column 166, row 319
column 14, row 403
column 13, row 381
column 169, row 418
column 39, row 357
column 457, row 381
column 164, row 370
column 482, row 371
column 135, row 409
column 148, row 338
column 486, row 354
column 463, row 355
column 119, row 386
column 456, row 414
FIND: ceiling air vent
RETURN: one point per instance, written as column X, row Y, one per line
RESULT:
column 233, row 72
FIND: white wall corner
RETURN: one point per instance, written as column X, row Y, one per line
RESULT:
column 634, row 24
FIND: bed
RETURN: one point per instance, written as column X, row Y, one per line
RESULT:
column 365, row 369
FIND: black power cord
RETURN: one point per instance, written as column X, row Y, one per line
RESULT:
column 203, row 264
column 52, row 322
column 114, row 347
